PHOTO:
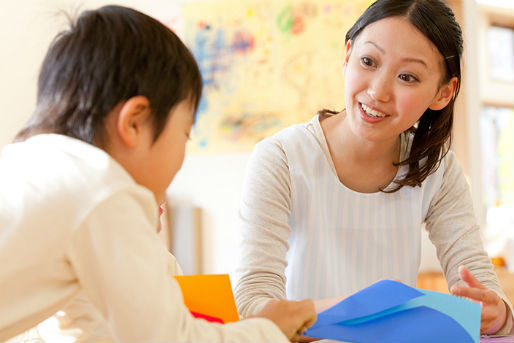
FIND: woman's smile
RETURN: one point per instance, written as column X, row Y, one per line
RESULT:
column 371, row 115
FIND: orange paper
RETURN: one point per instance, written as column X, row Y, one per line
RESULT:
column 210, row 295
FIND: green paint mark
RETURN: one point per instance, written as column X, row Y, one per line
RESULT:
column 285, row 19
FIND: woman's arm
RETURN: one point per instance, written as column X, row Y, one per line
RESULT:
column 453, row 229
column 264, row 213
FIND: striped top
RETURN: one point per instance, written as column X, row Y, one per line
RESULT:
column 363, row 236
column 301, row 224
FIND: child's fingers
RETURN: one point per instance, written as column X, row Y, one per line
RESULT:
column 308, row 307
column 303, row 339
column 292, row 317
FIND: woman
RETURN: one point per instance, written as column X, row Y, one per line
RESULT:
column 341, row 200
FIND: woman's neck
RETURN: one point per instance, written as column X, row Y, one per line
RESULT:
column 356, row 149
column 362, row 165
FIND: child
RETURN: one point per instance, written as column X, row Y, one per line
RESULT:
column 81, row 186
column 341, row 200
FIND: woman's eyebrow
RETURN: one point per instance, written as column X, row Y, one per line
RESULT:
column 405, row 59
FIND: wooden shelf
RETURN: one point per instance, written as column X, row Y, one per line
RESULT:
column 432, row 281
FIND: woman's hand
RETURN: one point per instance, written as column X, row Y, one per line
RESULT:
column 494, row 309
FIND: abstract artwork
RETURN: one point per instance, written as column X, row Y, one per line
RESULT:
column 265, row 65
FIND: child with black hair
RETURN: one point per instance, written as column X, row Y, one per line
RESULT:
column 81, row 185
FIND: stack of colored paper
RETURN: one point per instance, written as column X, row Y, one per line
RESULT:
column 209, row 297
column 392, row 312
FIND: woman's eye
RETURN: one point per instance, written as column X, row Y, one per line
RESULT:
column 367, row 61
column 408, row 78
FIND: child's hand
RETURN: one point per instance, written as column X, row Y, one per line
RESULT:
column 494, row 310
column 292, row 317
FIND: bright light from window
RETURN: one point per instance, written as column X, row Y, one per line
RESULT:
column 497, row 144
column 498, row 3
column 501, row 53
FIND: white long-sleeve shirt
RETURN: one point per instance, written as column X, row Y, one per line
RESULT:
column 306, row 235
column 78, row 321
column 73, row 220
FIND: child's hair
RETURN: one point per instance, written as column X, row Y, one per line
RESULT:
column 432, row 134
column 107, row 56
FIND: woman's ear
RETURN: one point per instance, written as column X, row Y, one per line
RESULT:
column 445, row 94
column 132, row 120
column 348, row 50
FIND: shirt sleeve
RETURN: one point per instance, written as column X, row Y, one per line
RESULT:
column 124, row 269
column 453, row 229
column 264, row 213
column 81, row 320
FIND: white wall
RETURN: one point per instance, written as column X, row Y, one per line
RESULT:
column 25, row 32
column 26, row 29
column 212, row 182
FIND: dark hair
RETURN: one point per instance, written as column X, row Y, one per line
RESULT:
column 110, row 55
column 432, row 134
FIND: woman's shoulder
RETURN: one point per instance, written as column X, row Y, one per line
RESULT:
column 300, row 133
column 276, row 151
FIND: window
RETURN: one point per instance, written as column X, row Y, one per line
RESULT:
column 494, row 108
column 497, row 150
column 500, row 43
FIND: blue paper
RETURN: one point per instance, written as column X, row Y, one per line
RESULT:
column 392, row 312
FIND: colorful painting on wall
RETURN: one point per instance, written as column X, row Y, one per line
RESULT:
column 265, row 65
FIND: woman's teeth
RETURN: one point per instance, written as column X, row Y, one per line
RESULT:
column 372, row 113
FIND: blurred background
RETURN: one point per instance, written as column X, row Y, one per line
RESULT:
column 266, row 65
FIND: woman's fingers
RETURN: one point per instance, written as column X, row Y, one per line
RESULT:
column 481, row 295
column 493, row 307
column 467, row 277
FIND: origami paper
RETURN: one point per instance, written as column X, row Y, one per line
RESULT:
column 392, row 312
column 209, row 297
column 206, row 317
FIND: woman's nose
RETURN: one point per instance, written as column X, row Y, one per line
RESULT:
column 379, row 89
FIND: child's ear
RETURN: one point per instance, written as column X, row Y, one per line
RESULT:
column 133, row 119
column 444, row 95
column 348, row 50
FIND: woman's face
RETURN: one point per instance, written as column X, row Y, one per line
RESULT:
column 392, row 74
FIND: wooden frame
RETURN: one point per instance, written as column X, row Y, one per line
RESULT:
column 185, row 236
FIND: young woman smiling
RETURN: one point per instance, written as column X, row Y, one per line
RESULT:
column 341, row 200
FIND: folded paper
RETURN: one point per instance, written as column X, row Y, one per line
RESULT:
column 209, row 297
column 392, row 312
column 206, row 317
